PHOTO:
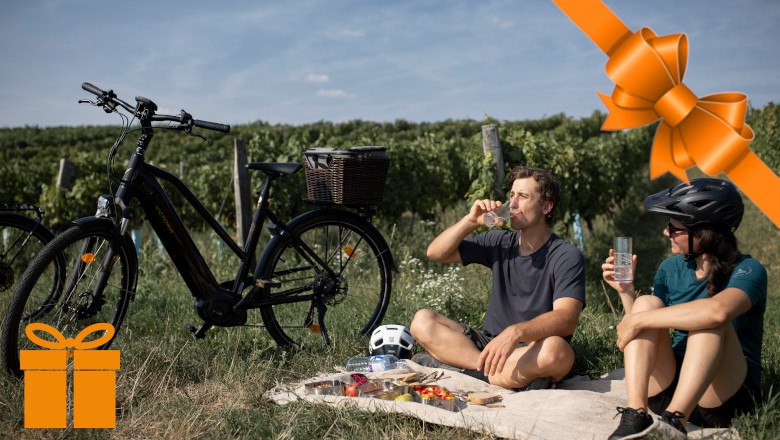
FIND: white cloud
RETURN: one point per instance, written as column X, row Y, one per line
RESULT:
column 317, row 78
column 333, row 93
column 502, row 24
column 351, row 33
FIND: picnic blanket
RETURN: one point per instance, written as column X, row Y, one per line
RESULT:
column 579, row 408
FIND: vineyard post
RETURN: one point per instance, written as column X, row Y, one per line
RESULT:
column 241, row 191
column 491, row 144
column 66, row 173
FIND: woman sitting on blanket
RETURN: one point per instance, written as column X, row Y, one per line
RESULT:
column 708, row 369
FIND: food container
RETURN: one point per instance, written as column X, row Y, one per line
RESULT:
column 435, row 396
column 391, row 385
column 325, row 388
column 381, row 390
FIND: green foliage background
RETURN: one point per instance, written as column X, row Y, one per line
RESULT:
column 170, row 386
column 434, row 164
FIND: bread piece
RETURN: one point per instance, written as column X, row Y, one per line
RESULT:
column 483, row 398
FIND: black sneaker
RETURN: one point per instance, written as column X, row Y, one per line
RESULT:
column 540, row 383
column 633, row 424
column 671, row 425
column 426, row 360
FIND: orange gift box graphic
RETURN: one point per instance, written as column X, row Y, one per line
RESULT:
column 45, row 379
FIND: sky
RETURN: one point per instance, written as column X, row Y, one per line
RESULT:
column 299, row 61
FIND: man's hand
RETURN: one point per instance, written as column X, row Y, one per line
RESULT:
column 496, row 352
column 627, row 331
column 480, row 207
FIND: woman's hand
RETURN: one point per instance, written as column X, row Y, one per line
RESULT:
column 608, row 274
column 626, row 331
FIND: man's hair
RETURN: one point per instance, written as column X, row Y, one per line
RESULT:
column 548, row 186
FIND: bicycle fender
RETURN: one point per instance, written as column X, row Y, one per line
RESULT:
column 86, row 222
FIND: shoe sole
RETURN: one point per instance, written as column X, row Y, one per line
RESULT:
column 653, row 426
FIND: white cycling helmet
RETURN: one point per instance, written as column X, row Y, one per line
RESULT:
column 392, row 339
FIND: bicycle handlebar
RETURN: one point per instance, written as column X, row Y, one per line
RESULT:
column 92, row 89
column 108, row 100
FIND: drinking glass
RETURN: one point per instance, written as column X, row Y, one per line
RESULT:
column 622, row 250
column 498, row 216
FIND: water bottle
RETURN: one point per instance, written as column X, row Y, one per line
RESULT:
column 372, row 363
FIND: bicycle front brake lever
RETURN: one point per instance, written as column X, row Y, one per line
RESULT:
column 189, row 132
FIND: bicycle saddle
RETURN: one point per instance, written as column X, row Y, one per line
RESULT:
column 273, row 167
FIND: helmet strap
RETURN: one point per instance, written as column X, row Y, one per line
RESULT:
column 691, row 255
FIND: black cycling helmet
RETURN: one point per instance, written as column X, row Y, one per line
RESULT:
column 702, row 203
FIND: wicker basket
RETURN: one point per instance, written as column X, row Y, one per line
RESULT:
column 353, row 177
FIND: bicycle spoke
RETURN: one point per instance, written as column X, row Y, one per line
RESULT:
column 353, row 290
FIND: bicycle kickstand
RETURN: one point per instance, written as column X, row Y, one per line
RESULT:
column 321, row 308
column 320, row 327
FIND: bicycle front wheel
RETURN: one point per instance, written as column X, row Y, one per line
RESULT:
column 356, row 290
column 21, row 238
column 96, row 285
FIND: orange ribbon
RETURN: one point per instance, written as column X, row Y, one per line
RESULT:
column 63, row 342
column 709, row 132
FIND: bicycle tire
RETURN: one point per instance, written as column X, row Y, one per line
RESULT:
column 84, row 248
column 362, row 259
column 21, row 238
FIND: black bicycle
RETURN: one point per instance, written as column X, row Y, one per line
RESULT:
column 325, row 273
column 22, row 236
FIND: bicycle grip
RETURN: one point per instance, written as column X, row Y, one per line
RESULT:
column 92, row 89
column 211, row 126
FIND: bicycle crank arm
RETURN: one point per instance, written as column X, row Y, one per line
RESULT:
column 198, row 332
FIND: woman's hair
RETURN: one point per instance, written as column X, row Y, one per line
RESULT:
column 722, row 247
column 548, row 186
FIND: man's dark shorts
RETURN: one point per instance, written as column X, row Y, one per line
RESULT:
column 743, row 401
column 479, row 338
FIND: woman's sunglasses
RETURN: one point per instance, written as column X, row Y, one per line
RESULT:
column 672, row 230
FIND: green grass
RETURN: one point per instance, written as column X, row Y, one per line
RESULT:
column 171, row 386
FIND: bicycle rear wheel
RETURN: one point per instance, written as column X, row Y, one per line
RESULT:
column 356, row 298
column 96, row 285
column 21, row 238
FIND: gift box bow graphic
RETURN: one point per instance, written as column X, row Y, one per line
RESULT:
column 61, row 342
column 708, row 132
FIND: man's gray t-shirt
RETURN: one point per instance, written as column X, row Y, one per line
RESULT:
column 524, row 287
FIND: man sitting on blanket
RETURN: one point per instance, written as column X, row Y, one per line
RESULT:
column 537, row 294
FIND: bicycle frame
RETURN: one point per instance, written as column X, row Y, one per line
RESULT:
column 218, row 304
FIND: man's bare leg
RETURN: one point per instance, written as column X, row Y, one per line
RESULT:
column 444, row 339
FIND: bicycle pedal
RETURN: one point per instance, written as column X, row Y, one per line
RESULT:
column 198, row 332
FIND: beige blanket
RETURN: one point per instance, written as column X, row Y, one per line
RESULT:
column 579, row 408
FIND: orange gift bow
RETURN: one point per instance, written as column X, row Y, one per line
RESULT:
column 63, row 342
column 708, row 132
